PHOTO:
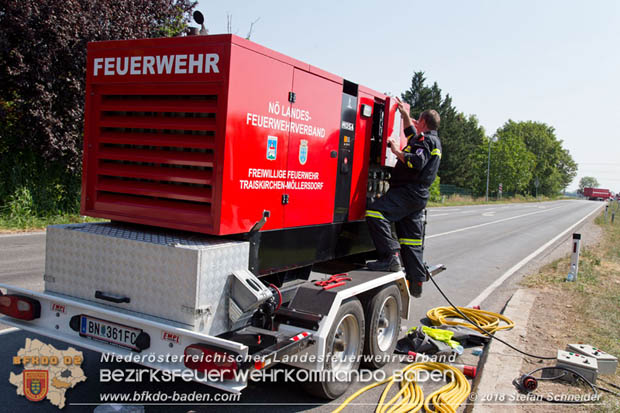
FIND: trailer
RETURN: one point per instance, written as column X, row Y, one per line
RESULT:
column 236, row 181
column 131, row 290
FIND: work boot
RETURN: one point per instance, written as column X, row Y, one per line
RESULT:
column 391, row 263
column 415, row 288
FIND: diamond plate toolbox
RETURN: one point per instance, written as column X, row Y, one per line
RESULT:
column 177, row 276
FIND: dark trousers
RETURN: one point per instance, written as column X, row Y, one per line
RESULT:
column 406, row 210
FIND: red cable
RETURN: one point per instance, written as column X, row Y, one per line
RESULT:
column 279, row 295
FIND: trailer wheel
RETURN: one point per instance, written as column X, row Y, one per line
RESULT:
column 343, row 351
column 383, row 315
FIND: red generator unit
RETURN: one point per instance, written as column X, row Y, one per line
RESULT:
column 219, row 135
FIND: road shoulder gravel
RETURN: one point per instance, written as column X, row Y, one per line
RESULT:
column 499, row 364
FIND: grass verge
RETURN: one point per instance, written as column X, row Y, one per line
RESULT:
column 460, row 200
column 10, row 224
column 587, row 310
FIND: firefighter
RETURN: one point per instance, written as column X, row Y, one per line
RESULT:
column 406, row 199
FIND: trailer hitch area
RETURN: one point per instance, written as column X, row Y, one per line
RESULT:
column 434, row 270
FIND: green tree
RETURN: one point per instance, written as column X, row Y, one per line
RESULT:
column 420, row 96
column 42, row 84
column 567, row 167
column 554, row 167
column 587, row 182
column 460, row 135
column 512, row 164
column 465, row 147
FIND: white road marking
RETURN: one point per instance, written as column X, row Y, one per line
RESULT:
column 8, row 330
column 488, row 214
column 492, row 222
column 22, row 234
column 498, row 282
column 437, row 215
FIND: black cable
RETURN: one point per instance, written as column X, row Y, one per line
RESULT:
column 608, row 391
column 547, row 399
column 482, row 329
column 491, row 335
column 551, row 378
column 611, row 384
column 551, row 400
column 428, row 274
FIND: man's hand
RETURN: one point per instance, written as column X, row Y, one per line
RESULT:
column 404, row 114
column 401, row 107
column 395, row 147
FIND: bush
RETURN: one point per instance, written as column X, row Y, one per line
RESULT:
column 20, row 205
column 42, row 86
column 435, row 193
column 37, row 189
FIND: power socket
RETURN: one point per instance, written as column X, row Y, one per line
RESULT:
column 607, row 363
column 586, row 366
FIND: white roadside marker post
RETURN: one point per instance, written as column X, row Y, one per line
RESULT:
column 574, row 260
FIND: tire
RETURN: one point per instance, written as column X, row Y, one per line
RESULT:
column 348, row 331
column 383, row 326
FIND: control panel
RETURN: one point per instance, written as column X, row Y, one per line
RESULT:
column 586, row 366
column 607, row 363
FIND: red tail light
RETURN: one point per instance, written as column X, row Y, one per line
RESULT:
column 18, row 306
column 201, row 358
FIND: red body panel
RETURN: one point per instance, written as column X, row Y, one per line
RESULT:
column 361, row 154
column 246, row 143
column 197, row 133
column 311, row 171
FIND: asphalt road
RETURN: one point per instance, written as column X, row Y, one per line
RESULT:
column 480, row 245
column 22, row 260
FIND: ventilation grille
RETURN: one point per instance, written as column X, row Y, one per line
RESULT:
column 155, row 156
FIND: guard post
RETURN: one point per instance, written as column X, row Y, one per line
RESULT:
column 574, row 259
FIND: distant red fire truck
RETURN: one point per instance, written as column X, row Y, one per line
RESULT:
column 597, row 194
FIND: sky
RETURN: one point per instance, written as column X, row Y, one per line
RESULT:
column 550, row 61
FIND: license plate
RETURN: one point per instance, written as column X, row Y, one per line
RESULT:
column 108, row 331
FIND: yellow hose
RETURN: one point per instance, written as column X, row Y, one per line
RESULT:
column 448, row 398
column 410, row 398
column 486, row 319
